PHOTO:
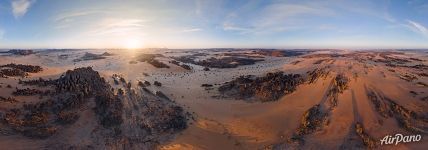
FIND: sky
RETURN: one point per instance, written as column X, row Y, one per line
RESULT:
column 353, row 24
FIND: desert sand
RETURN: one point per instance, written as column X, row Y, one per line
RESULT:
column 215, row 99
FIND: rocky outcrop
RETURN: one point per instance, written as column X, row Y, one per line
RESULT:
column 312, row 76
column 340, row 84
column 268, row 88
column 151, row 59
column 407, row 119
column 311, row 120
column 73, row 90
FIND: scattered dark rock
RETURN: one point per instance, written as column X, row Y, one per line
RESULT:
column 206, row 69
column 26, row 92
column 368, row 141
column 157, row 83
column 9, row 99
column 162, row 95
column 206, row 85
column 422, row 84
column 141, row 84
column 424, row 98
column 147, row 83
column 295, row 62
column 408, row 77
column 38, row 82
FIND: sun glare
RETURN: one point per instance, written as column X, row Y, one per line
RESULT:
column 133, row 44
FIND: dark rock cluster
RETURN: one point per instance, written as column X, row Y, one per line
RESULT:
column 20, row 52
column 20, row 70
column 25, row 68
column 38, row 82
column 268, row 88
column 29, row 92
column 368, row 141
column 143, row 84
column 223, row 62
column 184, row 66
column 312, row 120
column 280, row 53
column 316, row 73
column 9, row 99
column 4, row 73
column 151, row 59
column 227, row 62
column 340, row 84
column 90, row 56
column 157, row 83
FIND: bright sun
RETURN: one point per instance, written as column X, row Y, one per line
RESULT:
column 133, row 44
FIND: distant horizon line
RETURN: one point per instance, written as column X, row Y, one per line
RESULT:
column 215, row 48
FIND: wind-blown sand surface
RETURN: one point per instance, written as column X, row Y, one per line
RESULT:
column 349, row 89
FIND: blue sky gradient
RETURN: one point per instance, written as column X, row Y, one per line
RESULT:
column 214, row 23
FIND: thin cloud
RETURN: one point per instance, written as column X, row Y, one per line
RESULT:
column 118, row 26
column 20, row 7
column 231, row 27
column 191, row 30
column 70, row 15
column 417, row 27
column 278, row 17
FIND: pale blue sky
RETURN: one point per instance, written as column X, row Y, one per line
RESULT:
column 214, row 23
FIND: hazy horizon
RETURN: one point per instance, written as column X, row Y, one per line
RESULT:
column 291, row 24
